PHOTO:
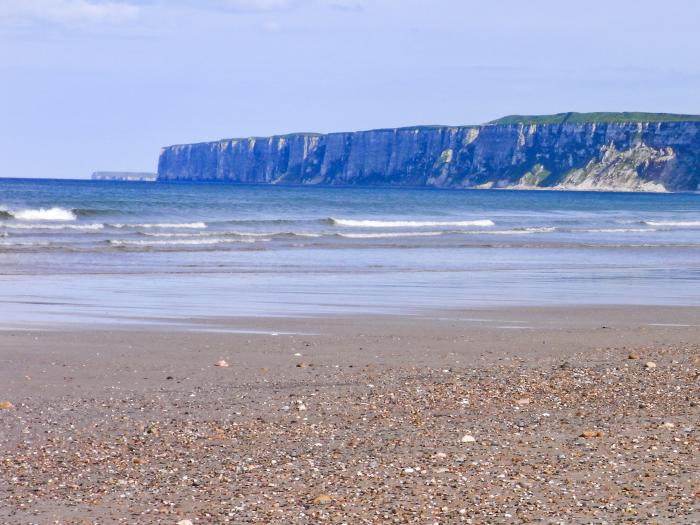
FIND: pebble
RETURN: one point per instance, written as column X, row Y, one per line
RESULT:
column 222, row 363
column 523, row 401
column 649, row 365
column 322, row 499
column 667, row 424
column 591, row 434
column 468, row 439
column 633, row 356
column 6, row 405
column 185, row 522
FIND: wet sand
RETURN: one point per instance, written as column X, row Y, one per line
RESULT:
column 530, row 415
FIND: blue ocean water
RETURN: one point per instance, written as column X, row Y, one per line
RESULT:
column 104, row 252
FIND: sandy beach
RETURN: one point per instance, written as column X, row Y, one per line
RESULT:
column 531, row 415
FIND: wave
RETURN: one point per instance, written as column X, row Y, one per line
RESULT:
column 514, row 231
column 229, row 234
column 169, row 234
column 406, row 224
column 184, row 242
column 23, row 244
column 92, row 212
column 616, row 230
column 165, row 225
column 387, row 235
column 19, row 226
column 682, row 224
column 40, row 214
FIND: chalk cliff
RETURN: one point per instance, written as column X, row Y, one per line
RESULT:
column 618, row 151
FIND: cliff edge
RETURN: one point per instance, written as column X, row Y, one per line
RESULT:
column 586, row 151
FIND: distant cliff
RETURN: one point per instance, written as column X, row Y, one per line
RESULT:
column 590, row 151
column 130, row 176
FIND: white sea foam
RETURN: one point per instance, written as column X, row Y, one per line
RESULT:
column 682, row 224
column 305, row 234
column 166, row 225
column 42, row 214
column 407, row 224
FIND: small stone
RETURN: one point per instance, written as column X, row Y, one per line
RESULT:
column 591, row 434
column 6, row 405
column 649, row 365
column 322, row 499
column 523, row 401
column 300, row 406
column 633, row 356
column 185, row 522
column 667, row 424
column 468, row 439
column 302, row 365
column 222, row 363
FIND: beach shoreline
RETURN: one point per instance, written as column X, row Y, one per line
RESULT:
column 118, row 424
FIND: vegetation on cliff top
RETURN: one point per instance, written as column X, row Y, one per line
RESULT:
column 587, row 118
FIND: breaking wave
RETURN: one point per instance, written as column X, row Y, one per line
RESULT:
column 682, row 224
column 40, row 214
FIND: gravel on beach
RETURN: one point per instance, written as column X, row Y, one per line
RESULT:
column 597, row 438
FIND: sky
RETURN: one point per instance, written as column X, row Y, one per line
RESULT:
column 89, row 85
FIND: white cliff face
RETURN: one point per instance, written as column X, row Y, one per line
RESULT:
column 638, row 156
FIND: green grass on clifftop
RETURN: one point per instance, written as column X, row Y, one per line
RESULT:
column 587, row 118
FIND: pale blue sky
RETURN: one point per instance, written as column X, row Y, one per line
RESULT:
column 101, row 85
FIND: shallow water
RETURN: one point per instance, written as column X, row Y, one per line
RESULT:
column 106, row 252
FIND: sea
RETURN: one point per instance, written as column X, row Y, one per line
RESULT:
column 128, row 253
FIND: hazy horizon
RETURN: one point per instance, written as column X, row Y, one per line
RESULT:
column 94, row 85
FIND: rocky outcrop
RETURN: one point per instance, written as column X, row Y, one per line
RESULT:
column 654, row 155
